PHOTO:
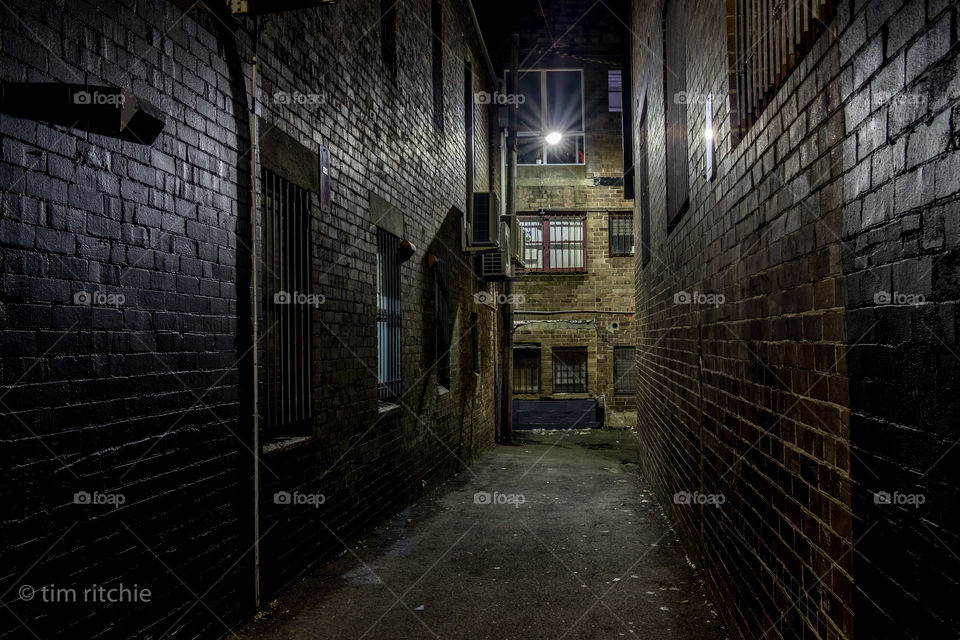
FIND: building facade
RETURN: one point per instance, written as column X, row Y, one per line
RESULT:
column 573, row 306
column 214, row 367
column 799, row 192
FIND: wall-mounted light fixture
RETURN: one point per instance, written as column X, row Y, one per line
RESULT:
column 554, row 137
column 708, row 135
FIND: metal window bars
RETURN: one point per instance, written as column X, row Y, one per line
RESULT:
column 569, row 369
column 768, row 40
column 441, row 308
column 526, row 368
column 621, row 233
column 289, row 302
column 556, row 241
column 624, row 371
column 388, row 317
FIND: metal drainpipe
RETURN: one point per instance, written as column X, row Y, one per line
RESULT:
column 255, row 221
column 507, row 400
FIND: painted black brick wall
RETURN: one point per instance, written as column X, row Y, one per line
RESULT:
column 150, row 399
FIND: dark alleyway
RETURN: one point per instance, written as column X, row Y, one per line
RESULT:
column 580, row 551
column 297, row 298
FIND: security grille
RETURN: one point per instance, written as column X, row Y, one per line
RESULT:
column 569, row 369
column 388, row 317
column 624, row 371
column 289, row 302
column 526, row 368
column 768, row 39
column 621, row 234
column 555, row 241
column 441, row 309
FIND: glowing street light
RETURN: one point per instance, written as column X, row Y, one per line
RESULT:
column 554, row 137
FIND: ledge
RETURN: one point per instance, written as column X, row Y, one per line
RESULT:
column 285, row 444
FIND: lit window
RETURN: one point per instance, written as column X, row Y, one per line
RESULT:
column 388, row 317
column 621, row 234
column 555, row 242
column 552, row 104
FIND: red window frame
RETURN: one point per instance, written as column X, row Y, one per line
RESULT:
column 544, row 218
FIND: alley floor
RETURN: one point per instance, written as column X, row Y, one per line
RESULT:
column 553, row 537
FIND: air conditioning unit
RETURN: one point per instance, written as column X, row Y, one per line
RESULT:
column 518, row 246
column 483, row 223
column 497, row 265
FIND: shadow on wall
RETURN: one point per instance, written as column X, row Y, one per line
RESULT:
column 902, row 280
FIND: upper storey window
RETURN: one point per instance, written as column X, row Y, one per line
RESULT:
column 550, row 117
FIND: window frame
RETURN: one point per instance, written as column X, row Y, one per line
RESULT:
column 287, row 366
column 556, row 353
column 617, row 389
column 390, row 319
column 388, row 36
column 537, row 371
column 618, row 252
column 676, row 139
column 544, row 218
column 521, row 134
column 612, row 92
column 441, row 322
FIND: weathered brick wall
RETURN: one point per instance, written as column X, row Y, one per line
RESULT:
column 901, row 261
column 748, row 398
column 151, row 400
column 366, row 462
column 603, row 296
column 787, row 398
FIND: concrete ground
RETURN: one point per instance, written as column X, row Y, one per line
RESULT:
column 571, row 545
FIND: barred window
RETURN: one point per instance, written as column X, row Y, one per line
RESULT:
column 614, row 91
column 766, row 41
column 388, row 317
column 555, row 242
column 288, row 405
column 569, row 369
column 441, row 316
column 526, row 368
column 624, row 371
column 621, row 234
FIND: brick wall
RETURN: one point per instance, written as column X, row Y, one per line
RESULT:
column 901, row 233
column 151, row 400
column 776, row 395
column 603, row 298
